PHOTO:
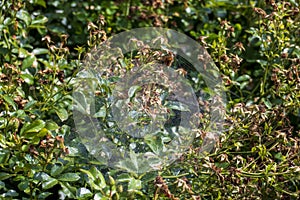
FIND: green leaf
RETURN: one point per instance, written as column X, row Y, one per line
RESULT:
column 99, row 196
column 177, row 105
column 40, row 2
column 98, row 176
column 56, row 170
column 70, row 177
column 41, row 176
column 68, row 190
column 10, row 101
column 28, row 61
column 62, row 114
column 132, row 90
column 51, row 125
column 28, row 78
column 267, row 103
column 80, row 103
column 10, row 193
column 33, row 127
column 40, row 51
column 95, row 176
column 243, row 78
column 2, row 185
column 83, row 193
column 23, row 185
column 39, row 20
column 125, row 177
column 134, row 185
column 4, row 175
column 24, row 16
column 101, row 113
column 23, row 53
column 49, row 183
column 44, row 195
column 29, row 104
column 155, row 143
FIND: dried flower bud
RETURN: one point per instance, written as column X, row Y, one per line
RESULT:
column 239, row 46
column 224, row 58
column 284, row 55
column 91, row 26
column 101, row 20
column 47, row 39
column 260, row 12
column 61, row 76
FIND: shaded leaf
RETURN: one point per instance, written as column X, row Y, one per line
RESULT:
column 10, row 193
column 4, row 175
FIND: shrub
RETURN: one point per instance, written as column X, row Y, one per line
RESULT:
column 255, row 45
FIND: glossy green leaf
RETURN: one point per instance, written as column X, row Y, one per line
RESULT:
column 68, row 190
column 70, row 177
column 51, row 125
column 23, row 53
column 44, row 195
column 99, row 196
column 28, row 61
column 28, row 78
column 99, row 177
column 10, row 101
column 24, row 16
column 29, row 104
column 39, row 20
column 33, row 127
column 62, row 114
column 40, row 51
column 243, row 78
column 83, row 193
column 96, row 178
column 101, row 113
column 49, row 183
column 177, row 105
column 41, row 176
column 56, row 170
column 155, row 143
column 80, row 103
column 134, row 184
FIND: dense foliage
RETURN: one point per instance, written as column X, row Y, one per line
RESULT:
column 255, row 45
